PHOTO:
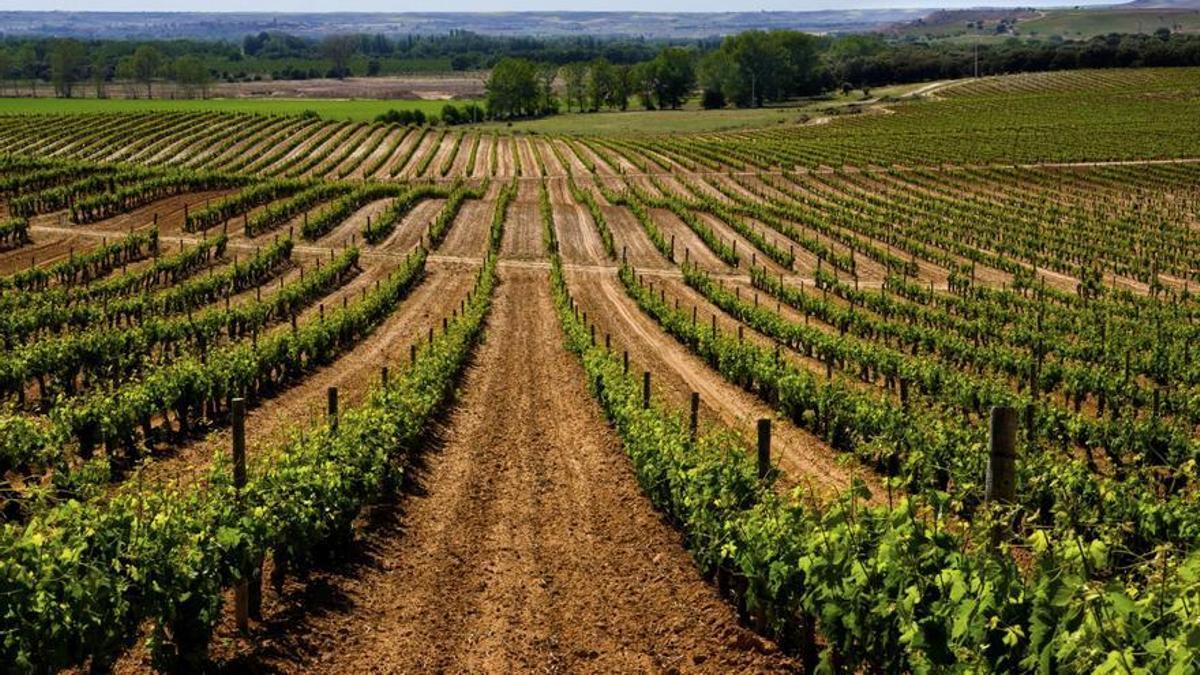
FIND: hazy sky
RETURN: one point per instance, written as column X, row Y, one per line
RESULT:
column 504, row 5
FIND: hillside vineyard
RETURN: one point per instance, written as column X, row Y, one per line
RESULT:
column 495, row 339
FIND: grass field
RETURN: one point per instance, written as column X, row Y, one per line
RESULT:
column 1084, row 23
column 688, row 120
column 357, row 110
column 691, row 119
column 1072, row 23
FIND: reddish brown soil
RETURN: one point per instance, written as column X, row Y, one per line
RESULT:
column 523, row 229
column 483, row 156
column 579, row 241
column 269, row 423
column 411, row 229
column 506, row 163
column 428, row 144
column 688, row 246
column 525, row 545
column 554, row 167
column 440, row 153
column 393, row 162
column 468, row 237
column 54, row 238
column 529, row 163
column 575, row 165
column 461, row 168
column 371, row 142
column 631, row 240
column 676, row 373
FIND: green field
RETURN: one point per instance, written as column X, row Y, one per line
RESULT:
column 1085, row 23
column 689, row 119
column 692, row 119
column 357, row 110
column 1070, row 23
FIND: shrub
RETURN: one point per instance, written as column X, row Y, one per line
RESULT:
column 712, row 99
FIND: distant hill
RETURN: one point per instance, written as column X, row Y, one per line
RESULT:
column 1076, row 23
column 634, row 24
column 1163, row 4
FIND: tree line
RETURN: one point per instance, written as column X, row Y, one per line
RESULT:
column 538, row 76
column 68, row 64
column 757, row 68
column 871, row 60
column 748, row 69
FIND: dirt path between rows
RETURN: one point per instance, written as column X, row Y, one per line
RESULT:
column 804, row 459
column 526, row 544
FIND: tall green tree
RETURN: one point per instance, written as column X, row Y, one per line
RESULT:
column 339, row 49
column 574, row 77
column 717, row 74
column 513, row 89
column 99, row 71
column 547, row 73
column 754, row 67
column 191, row 75
column 6, row 66
column 642, row 77
column 674, row 76
column 67, row 60
column 146, row 62
column 26, row 66
column 622, row 87
column 600, row 83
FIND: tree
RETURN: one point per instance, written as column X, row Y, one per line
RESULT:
column 124, row 73
column 622, row 87
column 546, row 75
column 753, row 67
column 26, row 66
column 193, row 78
column 642, row 80
column 802, row 71
column 99, row 72
column 451, row 115
column 6, row 63
column 717, row 74
column 712, row 99
column 574, row 77
column 513, row 89
column 339, row 49
column 600, row 83
column 674, row 76
column 67, row 58
column 760, row 64
column 146, row 62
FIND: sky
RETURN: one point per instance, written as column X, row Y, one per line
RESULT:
column 509, row 5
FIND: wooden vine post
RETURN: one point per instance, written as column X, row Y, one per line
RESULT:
column 694, row 419
column 764, row 448
column 333, row 408
column 247, row 594
column 1001, row 480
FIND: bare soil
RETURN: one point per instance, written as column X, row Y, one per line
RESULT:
column 525, row 544
column 804, row 458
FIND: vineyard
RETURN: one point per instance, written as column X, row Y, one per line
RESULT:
column 280, row 393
